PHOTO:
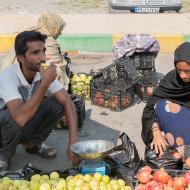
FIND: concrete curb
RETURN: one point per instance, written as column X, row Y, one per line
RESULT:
column 98, row 42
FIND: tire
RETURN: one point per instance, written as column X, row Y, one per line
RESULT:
column 110, row 9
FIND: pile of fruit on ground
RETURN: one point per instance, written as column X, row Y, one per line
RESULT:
column 161, row 180
column 55, row 182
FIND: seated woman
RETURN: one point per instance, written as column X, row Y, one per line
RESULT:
column 166, row 117
column 51, row 25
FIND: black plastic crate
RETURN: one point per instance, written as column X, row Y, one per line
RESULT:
column 144, row 60
column 80, row 109
column 121, row 71
column 145, row 86
column 112, row 97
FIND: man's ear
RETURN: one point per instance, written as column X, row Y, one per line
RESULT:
column 21, row 58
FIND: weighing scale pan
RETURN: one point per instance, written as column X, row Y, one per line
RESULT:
column 92, row 149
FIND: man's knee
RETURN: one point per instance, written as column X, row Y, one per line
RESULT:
column 9, row 129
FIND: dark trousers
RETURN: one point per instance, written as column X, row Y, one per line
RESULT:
column 36, row 129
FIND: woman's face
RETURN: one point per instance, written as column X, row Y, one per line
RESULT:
column 183, row 69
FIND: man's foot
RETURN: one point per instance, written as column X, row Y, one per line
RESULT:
column 4, row 163
column 43, row 151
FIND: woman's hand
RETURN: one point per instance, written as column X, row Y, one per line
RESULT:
column 158, row 142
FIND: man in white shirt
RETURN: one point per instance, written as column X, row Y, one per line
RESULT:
column 32, row 100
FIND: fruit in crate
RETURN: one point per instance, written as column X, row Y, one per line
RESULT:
column 75, row 78
column 81, row 85
column 161, row 180
column 81, row 78
column 55, row 182
column 187, row 162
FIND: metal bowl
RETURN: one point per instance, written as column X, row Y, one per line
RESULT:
column 92, row 149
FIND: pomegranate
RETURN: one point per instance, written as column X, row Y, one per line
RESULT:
column 146, row 168
column 187, row 177
column 170, row 182
column 142, row 187
column 179, row 183
column 154, row 185
column 187, row 162
column 177, row 155
column 144, row 176
column 161, row 176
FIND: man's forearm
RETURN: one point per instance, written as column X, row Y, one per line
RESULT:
column 70, row 113
column 72, row 122
column 26, row 111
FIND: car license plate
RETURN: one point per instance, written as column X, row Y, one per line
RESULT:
column 146, row 10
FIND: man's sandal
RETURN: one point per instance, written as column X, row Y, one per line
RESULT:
column 4, row 164
column 43, row 151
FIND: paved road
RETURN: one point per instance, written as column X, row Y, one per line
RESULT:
column 105, row 23
column 97, row 125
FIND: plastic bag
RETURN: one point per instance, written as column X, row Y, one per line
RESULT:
column 167, row 160
column 126, row 153
column 124, row 161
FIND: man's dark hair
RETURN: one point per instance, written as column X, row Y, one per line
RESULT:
column 27, row 36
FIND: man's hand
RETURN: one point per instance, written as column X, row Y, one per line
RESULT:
column 48, row 75
column 72, row 158
column 159, row 142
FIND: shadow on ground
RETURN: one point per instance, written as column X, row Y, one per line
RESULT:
column 59, row 139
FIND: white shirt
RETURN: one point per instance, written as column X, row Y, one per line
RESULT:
column 13, row 85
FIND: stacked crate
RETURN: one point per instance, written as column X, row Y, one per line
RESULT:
column 149, row 79
column 112, row 86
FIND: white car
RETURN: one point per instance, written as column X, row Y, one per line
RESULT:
column 145, row 6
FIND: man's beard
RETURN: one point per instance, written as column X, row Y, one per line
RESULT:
column 186, row 80
column 35, row 68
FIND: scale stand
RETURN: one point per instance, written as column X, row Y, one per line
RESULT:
column 92, row 166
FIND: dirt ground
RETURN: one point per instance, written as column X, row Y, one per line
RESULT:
column 100, row 123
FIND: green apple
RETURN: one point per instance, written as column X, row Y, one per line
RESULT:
column 45, row 186
column 11, row 187
column 79, row 176
column 43, row 181
column 86, row 186
column 121, row 182
column 45, row 177
column 6, row 182
column 52, row 182
column 87, row 178
column 77, row 188
column 68, row 178
column 94, row 183
column 71, row 182
column 4, row 186
column 79, row 182
column 109, row 187
column 113, row 181
column 34, row 186
column 97, row 176
column 103, row 187
column 16, row 183
column 128, row 188
column 70, row 187
column 36, row 177
column 115, row 186
column 106, row 179
column 54, row 175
